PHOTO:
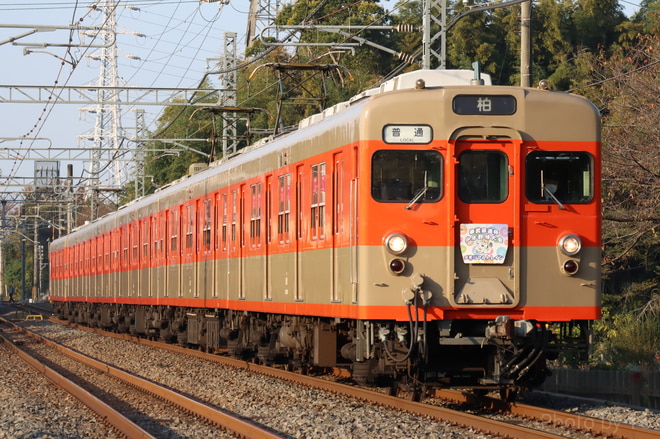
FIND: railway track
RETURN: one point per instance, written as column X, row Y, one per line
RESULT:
column 547, row 423
column 593, row 426
column 132, row 406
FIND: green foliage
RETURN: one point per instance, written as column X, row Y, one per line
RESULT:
column 12, row 255
column 168, row 160
column 628, row 332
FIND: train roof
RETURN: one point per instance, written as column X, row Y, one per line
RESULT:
column 405, row 81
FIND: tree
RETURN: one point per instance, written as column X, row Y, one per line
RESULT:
column 167, row 161
column 596, row 22
column 628, row 98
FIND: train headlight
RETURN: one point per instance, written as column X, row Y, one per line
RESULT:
column 570, row 245
column 396, row 243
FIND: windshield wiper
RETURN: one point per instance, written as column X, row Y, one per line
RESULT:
column 420, row 193
column 552, row 196
column 545, row 190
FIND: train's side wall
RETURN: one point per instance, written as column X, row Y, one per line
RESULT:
column 291, row 227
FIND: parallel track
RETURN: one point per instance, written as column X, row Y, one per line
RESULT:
column 236, row 425
column 566, row 421
column 594, row 426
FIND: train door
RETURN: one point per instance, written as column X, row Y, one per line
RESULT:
column 242, row 215
column 188, row 251
column 158, row 263
column 204, row 248
column 268, row 213
column 487, row 213
column 281, row 266
column 173, row 277
column 115, row 266
column 144, row 290
column 235, row 237
column 107, row 270
column 340, row 258
column 124, row 289
column 299, row 235
column 134, row 260
column 269, row 218
column 222, row 227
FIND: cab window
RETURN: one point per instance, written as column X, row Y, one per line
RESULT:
column 398, row 176
column 483, row 177
column 559, row 177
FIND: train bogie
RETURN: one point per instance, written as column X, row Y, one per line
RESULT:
column 449, row 233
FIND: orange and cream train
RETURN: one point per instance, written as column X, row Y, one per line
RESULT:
column 434, row 231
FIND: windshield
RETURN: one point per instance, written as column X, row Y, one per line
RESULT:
column 398, row 175
column 482, row 177
column 559, row 177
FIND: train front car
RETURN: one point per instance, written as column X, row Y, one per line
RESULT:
column 479, row 234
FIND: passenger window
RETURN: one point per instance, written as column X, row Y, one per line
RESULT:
column 559, row 177
column 398, row 176
column 482, row 177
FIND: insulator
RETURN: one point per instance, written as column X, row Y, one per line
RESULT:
column 405, row 28
column 409, row 59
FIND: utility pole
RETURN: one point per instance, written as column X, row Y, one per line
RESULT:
column 35, row 262
column 22, row 268
column 525, row 43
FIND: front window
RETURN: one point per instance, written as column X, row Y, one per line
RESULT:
column 398, row 176
column 482, row 177
column 559, row 177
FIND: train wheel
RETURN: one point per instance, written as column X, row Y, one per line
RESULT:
column 361, row 373
column 393, row 390
column 415, row 394
column 508, row 394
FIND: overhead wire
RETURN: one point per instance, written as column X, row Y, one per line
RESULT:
column 164, row 67
column 45, row 113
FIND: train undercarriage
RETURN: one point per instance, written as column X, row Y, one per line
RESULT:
column 505, row 355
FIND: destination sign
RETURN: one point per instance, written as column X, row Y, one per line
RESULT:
column 494, row 105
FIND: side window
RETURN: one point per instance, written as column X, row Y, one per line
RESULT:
column 234, row 215
column 225, row 220
column 283, row 207
column 483, row 177
column 559, row 177
column 318, row 201
column 208, row 208
column 174, row 229
column 398, row 176
column 255, row 215
column 190, row 226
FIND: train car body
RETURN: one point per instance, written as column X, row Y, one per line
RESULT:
column 429, row 231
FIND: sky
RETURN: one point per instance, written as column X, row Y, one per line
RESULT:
column 165, row 43
column 160, row 44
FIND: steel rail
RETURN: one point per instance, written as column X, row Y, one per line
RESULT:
column 109, row 415
column 234, row 424
column 595, row 426
column 602, row 427
column 454, row 417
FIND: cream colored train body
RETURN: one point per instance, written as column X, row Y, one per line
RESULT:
column 432, row 231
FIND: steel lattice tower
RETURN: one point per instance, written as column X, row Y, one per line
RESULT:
column 262, row 14
column 108, row 133
column 228, row 96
